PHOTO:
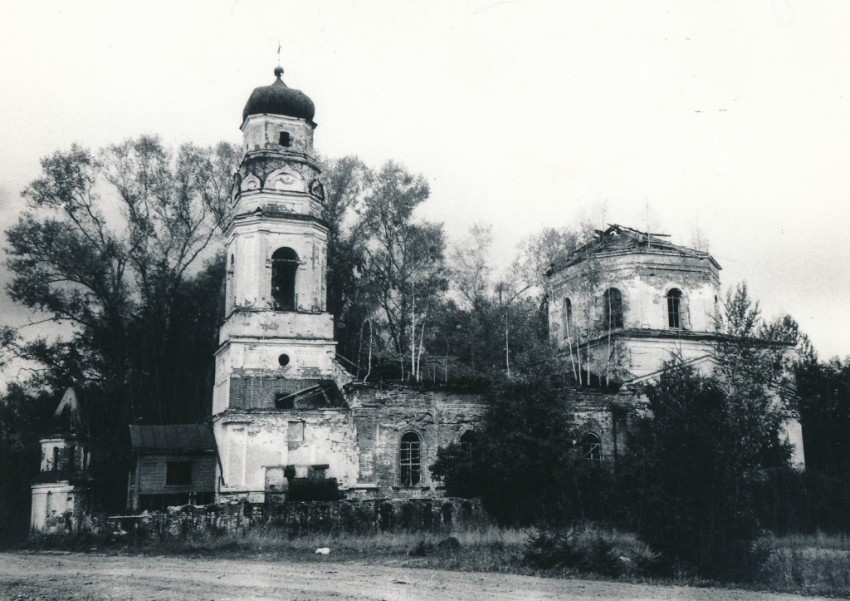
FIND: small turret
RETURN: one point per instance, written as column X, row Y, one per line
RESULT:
column 60, row 492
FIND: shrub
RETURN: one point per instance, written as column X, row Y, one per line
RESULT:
column 695, row 468
column 590, row 550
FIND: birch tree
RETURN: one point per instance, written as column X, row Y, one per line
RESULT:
column 404, row 266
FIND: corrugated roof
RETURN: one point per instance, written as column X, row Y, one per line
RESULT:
column 171, row 439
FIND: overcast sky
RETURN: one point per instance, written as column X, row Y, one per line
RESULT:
column 730, row 117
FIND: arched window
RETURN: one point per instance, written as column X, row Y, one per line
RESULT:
column 674, row 308
column 284, row 266
column 568, row 318
column 591, row 447
column 612, row 309
column 467, row 442
column 411, row 459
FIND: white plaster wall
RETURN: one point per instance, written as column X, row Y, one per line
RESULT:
column 81, row 454
column 647, row 303
column 51, row 500
column 299, row 202
column 307, row 359
column 250, row 444
column 47, row 447
column 644, row 356
column 263, row 354
column 263, row 131
column 266, row 324
column 221, row 389
column 644, row 281
column 252, row 246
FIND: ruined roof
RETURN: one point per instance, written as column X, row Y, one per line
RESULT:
column 311, row 394
column 68, row 417
column 619, row 239
column 195, row 438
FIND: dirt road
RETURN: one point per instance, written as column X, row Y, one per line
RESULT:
column 49, row 577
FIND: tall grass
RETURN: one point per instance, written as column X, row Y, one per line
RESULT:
column 816, row 564
column 809, row 564
column 418, row 547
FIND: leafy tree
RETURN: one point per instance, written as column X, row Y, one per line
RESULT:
column 113, row 247
column 699, row 459
column 824, row 390
column 697, row 464
column 539, row 252
column 470, row 268
column 489, row 324
column 522, row 460
column 403, row 269
column 347, row 180
column 22, row 417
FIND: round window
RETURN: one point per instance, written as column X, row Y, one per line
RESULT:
column 283, row 360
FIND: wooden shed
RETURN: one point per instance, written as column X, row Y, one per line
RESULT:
column 171, row 465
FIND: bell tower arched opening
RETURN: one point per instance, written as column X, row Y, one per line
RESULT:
column 284, row 268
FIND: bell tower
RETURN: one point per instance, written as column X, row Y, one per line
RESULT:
column 277, row 334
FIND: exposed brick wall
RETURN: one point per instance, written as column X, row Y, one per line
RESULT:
column 608, row 415
column 382, row 415
column 257, row 389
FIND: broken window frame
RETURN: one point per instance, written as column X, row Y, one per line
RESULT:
column 591, row 447
column 410, row 459
column 612, row 309
column 467, row 443
column 674, row 309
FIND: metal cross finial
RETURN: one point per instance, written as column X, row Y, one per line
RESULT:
column 278, row 54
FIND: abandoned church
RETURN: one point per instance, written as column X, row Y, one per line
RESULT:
column 284, row 408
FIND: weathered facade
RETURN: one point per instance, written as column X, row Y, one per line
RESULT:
column 361, row 443
column 61, row 491
column 624, row 304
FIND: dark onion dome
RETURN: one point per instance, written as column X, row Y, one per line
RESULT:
column 279, row 99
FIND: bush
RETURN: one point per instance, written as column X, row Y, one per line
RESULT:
column 592, row 551
column 521, row 461
column 695, row 468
